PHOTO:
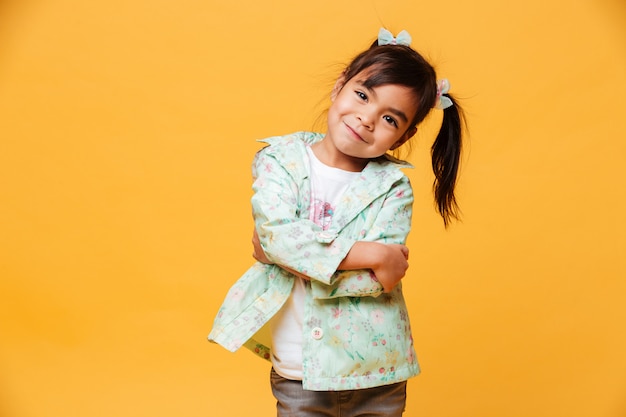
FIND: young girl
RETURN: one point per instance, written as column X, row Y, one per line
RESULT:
column 332, row 213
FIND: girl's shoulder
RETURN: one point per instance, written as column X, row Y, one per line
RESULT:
column 289, row 152
column 289, row 148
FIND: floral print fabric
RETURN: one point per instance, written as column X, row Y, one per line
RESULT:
column 354, row 335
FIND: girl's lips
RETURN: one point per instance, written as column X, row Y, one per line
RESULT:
column 354, row 134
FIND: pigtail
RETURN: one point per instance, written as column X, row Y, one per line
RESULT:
column 446, row 156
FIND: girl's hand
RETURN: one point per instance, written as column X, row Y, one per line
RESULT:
column 388, row 261
column 257, row 251
column 392, row 265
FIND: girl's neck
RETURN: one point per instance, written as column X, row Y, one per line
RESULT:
column 336, row 160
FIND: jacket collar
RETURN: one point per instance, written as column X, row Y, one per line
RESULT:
column 376, row 179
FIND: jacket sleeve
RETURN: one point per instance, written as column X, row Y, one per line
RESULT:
column 390, row 223
column 286, row 238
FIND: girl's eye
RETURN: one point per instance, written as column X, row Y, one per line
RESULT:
column 361, row 95
column 390, row 120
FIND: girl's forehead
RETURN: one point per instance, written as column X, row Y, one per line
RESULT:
column 366, row 73
column 373, row 77
column 367, row 79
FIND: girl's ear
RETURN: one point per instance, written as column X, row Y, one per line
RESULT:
column 338, row 86
column 408, row 135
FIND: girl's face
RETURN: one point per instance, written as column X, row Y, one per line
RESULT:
column 365, row 123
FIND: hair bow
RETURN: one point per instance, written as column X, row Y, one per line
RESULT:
column 443, row 86
column 386, row 38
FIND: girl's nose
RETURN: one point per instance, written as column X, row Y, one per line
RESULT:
column 366, row 119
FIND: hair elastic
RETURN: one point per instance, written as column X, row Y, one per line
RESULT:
column 443, row 86
column 386, row 38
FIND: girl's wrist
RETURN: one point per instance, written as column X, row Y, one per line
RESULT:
column 363, row 255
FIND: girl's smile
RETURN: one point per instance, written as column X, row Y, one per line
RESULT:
column 354, row 133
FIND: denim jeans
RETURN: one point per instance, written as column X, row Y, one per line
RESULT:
column 293, row 401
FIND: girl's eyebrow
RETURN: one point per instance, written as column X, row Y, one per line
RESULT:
column 399, row 113
column 393, row 110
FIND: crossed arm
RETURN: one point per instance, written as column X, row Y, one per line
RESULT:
column 389, row 262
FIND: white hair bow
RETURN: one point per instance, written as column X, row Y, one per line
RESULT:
column 443, row 86
column 386, row 38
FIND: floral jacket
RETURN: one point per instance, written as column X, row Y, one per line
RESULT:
column 355, row 336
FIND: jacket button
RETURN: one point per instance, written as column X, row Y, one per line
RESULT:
column 326, row 235
column 317, row 333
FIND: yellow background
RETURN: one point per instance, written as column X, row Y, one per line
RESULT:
column 127, row 129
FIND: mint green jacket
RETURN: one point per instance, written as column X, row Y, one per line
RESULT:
column 355, row 336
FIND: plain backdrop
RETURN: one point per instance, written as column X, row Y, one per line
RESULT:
column 127, row 129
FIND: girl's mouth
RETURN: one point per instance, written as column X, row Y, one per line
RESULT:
column 354, row 134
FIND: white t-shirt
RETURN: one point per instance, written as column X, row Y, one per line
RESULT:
column 327, row 186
